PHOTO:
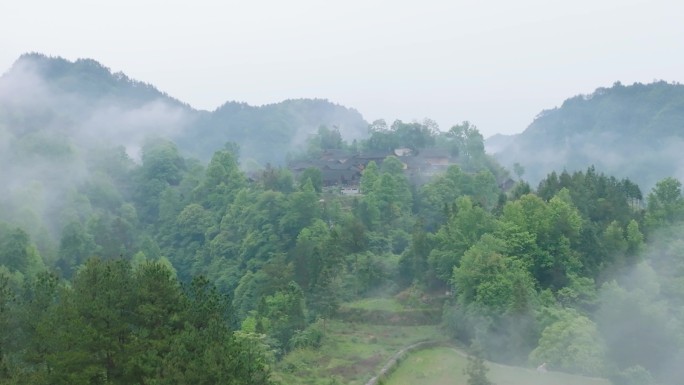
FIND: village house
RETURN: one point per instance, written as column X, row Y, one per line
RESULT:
column 342, row 168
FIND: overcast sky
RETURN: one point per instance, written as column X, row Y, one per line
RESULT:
column 494, row 63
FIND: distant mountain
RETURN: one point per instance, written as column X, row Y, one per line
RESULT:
column 83, row 101
column 632, row 131
column 84, row 104
column 267, row 133
column 86, row 78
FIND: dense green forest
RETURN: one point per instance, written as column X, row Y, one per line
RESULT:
column 159, row 268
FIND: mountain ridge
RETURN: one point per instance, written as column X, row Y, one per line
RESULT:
column 633, row 131
column 84, row 90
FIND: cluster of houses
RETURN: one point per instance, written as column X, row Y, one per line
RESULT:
column 342, row 168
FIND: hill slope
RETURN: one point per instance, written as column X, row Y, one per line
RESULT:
column 632, row 131
column 85, row 102
column 267, row 133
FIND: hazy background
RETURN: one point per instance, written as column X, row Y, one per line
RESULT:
column 495, row 63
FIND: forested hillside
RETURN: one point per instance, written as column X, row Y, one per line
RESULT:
column 84, row 102
column 154, row 267
column 266, row 133
column 634, row 131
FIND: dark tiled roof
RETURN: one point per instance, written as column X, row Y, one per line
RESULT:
column 339, row 176
column 414, row 162
column 338, row 166
column 434, row 152
column 374, row 154
column 302, row 165
column 336, row 153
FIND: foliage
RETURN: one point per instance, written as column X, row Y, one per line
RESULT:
column 467, row 223
column 634, row 375
column 571, row 344
column 116, row 325
column 476, row 370
column 492, row 280
column 665, row 203
column 400, row 134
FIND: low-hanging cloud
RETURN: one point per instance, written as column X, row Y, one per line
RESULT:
column 640, row 311
column 49, row 134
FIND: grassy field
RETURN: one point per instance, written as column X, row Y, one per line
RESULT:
column 351, row 353
column 442, row 366
column 382, row 304
column 390, row 311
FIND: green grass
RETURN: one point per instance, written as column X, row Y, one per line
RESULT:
column 389, row 311
column 351, row 353
column 442, row 366
column 383, row 304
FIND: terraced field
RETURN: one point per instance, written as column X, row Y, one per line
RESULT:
column 351, row 353
column 364, row 336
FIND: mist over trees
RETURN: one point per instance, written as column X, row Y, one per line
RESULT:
column 85, row 102
column 630, row 131
column 126, row 259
